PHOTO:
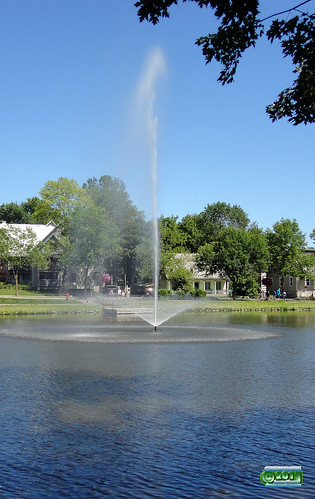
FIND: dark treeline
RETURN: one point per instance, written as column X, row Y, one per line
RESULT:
column 225, row 241
column 99, row 227
column 102, row 230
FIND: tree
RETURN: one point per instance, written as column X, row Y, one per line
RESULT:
column 287, row 246
column 191, row 226
column 19, row 248
column 59, row 198
column 179, row 276
column 13, row 213
column 32, row 207
column 144, row 268
column 23, row 213
column 94, row 239
column 220, row 215
column 172, row 237
column 110, row 193
column 241, row 26
column 237, row 254
column 204, row 227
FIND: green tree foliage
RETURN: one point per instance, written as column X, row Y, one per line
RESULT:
column 191, row 226
column 32, row 207
column 237, row 254
column 221, row 215
column 13, row 213
column 111, row 194
column 59, row 198
column 177, row 273
column 173, row 239
column 240, row 28
column 144, row 269
column 20, row 213
column 94, row 239
column 204, row 227
column 19, row 249
column 287, row 246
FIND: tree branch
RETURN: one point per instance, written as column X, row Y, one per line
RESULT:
column 285, row 11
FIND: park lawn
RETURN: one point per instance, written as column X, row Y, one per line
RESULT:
column 255, row 305
column 10, row 291
column 49, row 309
column 33, row 303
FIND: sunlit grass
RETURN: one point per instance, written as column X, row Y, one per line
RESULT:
column 32, row 303
column 255, row 305
column 48, row 309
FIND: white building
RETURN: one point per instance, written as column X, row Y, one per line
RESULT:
column 212, row 284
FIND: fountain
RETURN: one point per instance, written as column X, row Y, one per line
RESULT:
column 155, row 311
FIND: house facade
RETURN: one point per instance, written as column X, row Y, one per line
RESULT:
column 53, row 278
column 43, row 233
column 212, row 284
column 295, row 287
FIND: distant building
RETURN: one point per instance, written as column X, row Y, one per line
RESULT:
column 295, row 287
column 53, row 278
column 43, row 233
column 212, row 284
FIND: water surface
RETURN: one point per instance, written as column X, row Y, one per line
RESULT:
column 194, row 410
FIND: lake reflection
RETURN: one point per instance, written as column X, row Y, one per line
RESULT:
column 194, row 410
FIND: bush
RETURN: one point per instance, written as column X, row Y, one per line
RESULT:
column 27, row 287
column 198, row 293
column 164, row 292
column 4, row 285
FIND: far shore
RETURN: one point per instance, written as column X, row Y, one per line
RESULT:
column 30, row 303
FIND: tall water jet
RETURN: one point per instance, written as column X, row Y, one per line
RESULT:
column 145, row 127
column 146, row 95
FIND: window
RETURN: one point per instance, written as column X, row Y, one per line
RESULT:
column 291, row 281
column 281, row 281
column 208, row 285
column 218, row 285
column 48, row 275
column 307, row 282
column 196, row 284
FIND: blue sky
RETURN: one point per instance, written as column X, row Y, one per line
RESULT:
column 69, row 74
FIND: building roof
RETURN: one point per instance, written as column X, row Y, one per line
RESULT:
column 43, row 232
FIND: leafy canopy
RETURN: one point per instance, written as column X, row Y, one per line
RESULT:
column 237, row 254
column 287, row 245
column 240, row 28
column 19, row 248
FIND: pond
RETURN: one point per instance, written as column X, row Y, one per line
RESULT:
column 196, row 409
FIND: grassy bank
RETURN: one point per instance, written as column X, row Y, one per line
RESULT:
column 35, row 309
column 30, row 303
column 256, row 306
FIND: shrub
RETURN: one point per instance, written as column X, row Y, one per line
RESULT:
column 27, row 287
column 198, row 293
column 164, row 292
column 4, row 285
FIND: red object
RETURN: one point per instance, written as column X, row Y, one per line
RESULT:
column 67, row 296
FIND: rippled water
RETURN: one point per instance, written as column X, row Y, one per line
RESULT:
column 195, row 410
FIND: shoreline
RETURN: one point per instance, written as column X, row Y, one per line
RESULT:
column 28, row 306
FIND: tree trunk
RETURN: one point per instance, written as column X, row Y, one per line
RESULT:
column 85, row 279
column 16, row 277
